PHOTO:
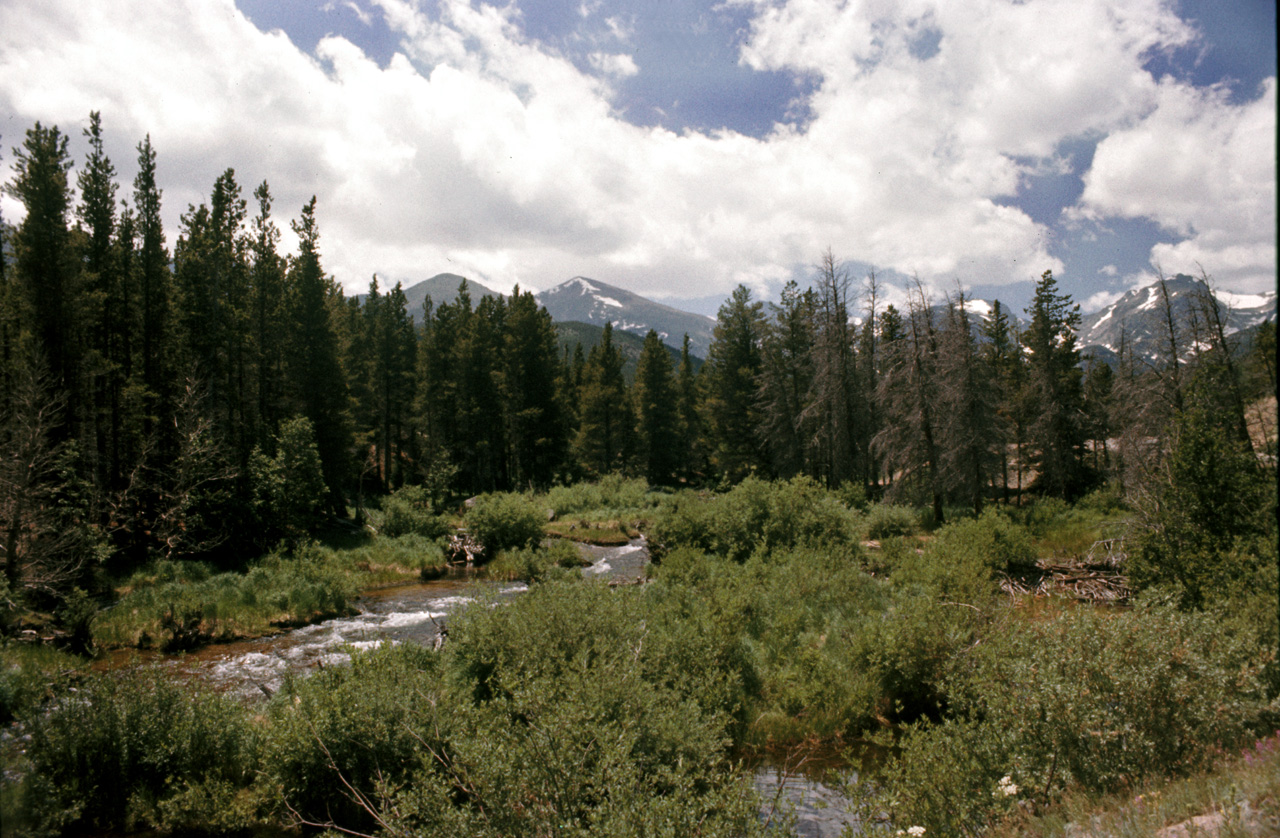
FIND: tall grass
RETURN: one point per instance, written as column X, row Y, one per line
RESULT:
column 175, row 607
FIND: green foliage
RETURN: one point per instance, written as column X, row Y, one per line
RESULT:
column 611, row 495
column 852, row 495
column 565, row 711
column 185, row 606
column 532, row 564
column 390, row 561
column 1057, row 430
column 133, row 752
column 605, row 423
column 289, row 488
column 31, row 674
column 886, row 520
column 657, row 418
column 505, row 520
column 755, row 515
column 409, row 510
column 1091, row 699
column 1209, row 533
column 351, row 727
column 731, row 375
column 962, row 561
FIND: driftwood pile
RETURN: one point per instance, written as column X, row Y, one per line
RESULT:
column 1093, row 577
column 463, row 549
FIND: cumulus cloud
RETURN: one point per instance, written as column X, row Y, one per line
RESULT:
column 1204, row 169
column 479, row 151
column 614, row 64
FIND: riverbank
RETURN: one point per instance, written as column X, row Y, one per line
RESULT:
column 770, row 617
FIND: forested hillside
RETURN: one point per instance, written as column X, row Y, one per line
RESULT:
column 156, row 391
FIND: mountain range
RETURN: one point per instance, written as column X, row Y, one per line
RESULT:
column 1138, row 314
column 591, row 301
column 1139, row 317
column 582, row 300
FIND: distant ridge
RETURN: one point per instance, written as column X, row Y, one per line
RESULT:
column 442, row 288
column 1139, row 316
column 586, row 300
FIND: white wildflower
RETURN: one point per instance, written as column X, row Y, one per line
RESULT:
column 1007, row 787
column 915, row 830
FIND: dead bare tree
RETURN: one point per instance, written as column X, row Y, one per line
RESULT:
column 47, row 541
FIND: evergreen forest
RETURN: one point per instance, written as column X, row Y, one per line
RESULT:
column 873, row 530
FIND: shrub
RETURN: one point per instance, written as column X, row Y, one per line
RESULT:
column 1095, row 699
column 1041, row 516
column 961, row 563
column 503, row 521
column 754, row 516
column 613, row 493
column 597, row 705
column 30, row 674
column 407, row 511
column 532, row 564
column 123, row 749
column 289, row 489
column 408, row 552
column 887, row 520
column 351, row 728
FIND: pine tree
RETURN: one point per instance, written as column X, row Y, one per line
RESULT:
column 396, row 344
column 868, row 376
column 908, row 393
column 691, row 444
column 1057, row 432
column 46, row 266
column 155, row 285
column 831, row 410
column 785, row 382
column 967, row 411
column 104, row 361
column 732, row 374
column 315, row 372
column 657, row 412
column 1002, row 356
column 212, row 277
column 481, row 423
column 1099, row 381
column 537, row 428
column 603, row 442
column 268, row 294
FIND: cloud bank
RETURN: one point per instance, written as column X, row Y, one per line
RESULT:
column 480, row 151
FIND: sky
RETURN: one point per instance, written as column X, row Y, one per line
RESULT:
column 678, row 148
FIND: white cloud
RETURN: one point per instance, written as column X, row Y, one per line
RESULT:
column 1205, row 169
column 1100, row 300
column 614, row 64
column 481, row 152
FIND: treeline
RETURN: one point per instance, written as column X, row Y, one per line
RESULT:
column 207, row 400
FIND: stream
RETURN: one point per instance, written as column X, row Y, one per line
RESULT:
column 414, row 614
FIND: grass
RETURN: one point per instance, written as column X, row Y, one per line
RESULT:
column 187, row 607
column 30, row 673
column 1241, row 796
column 534, row 563
column 605, row 533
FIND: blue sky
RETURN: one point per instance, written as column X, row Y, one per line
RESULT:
column 678, row 148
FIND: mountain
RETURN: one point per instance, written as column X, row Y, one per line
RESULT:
column 1139, row 315
column 589, row 301
column 441, row 288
